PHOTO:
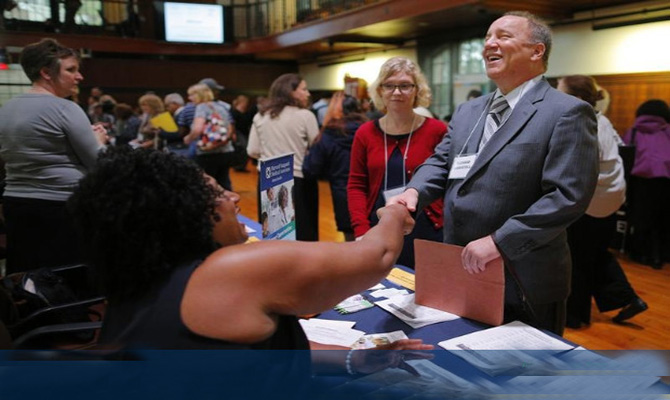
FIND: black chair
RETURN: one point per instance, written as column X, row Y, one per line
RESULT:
column 59, row 336
column 63, row 325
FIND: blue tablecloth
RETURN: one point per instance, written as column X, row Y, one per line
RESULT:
column 376, row 320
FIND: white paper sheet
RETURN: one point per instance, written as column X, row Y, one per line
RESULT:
column 388, row 293
column 513, row 336
column 331, row 332
column 413, row 314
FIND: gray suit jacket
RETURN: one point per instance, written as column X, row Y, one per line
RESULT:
column 534, row 177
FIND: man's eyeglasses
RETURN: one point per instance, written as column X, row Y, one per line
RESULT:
column 403, row 87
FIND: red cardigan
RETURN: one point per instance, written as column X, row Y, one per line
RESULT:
column 366, row 172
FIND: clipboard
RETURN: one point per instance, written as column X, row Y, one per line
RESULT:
column 442, row 283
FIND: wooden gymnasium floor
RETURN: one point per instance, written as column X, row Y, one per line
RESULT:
column 649, row 330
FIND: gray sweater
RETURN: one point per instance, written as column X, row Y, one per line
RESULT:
column 47, row 144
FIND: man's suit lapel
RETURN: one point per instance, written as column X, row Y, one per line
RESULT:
column 523, row 111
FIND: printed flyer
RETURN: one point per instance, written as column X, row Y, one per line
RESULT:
column 277, row 208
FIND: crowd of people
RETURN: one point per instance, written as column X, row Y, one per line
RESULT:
column 527, row 173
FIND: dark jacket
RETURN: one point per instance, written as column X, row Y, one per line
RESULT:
column 329, row 159
column 652, row 141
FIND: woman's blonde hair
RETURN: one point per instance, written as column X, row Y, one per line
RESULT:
column 154, row 102
column 396, row 65
column 202, row 92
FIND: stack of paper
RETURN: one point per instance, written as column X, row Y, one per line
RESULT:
column 513, row 336
column 512, row 349
column 413, row 314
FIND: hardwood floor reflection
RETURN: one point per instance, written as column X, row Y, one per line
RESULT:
column 649, row 330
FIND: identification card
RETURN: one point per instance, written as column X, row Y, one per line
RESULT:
column 461, row 166
column 393, row 192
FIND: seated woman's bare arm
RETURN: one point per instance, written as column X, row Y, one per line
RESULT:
column 238, row 292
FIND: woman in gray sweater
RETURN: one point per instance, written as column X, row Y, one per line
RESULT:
column 48, row 144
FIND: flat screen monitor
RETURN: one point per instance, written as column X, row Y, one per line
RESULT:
column 192, row 22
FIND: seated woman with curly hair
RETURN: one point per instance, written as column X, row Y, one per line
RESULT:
column 164, row 240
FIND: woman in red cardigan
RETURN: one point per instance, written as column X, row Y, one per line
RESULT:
column 386, row 151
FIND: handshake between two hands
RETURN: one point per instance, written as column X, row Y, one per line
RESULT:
column 403, row 203
column 475, row 255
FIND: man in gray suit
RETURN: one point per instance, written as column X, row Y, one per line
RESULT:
column 516, row 168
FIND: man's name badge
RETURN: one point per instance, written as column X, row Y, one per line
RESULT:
column 461, row 166
column 393, row 192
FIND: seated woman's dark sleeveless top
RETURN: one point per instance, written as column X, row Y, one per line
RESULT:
column 154, row 322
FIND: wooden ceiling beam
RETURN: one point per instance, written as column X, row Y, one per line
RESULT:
column 545, row 9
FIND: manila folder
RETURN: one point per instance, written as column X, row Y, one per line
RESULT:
column 442, row 283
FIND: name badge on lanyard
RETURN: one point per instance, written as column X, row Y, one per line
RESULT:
column 461, row 166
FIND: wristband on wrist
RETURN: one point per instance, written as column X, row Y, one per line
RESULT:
column 347, row 362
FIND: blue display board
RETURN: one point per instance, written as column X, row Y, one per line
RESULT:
column 276, row 205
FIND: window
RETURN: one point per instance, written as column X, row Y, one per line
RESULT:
column 440, row 82
column 471, row 74
column 470, row 60
column 88, row 13
column 13, row 82
column 35, row 10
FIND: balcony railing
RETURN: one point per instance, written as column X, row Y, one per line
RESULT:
column 134, row 18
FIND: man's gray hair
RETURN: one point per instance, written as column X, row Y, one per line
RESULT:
column 540, row 31
column 174, row 98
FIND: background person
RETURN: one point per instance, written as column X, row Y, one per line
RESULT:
column 103, row 118
column 174, row 104
column 48, row 144
column 174, row 141
column 650, row 183
column 213, row 161
column 93, row 98
column 285, row 125
column 386, row 151
column 243, row 115
column 147, row 135
column 216, row 89
column 522, row 180
column 127, row 124
column 595, row 272
column 473, row 94
column 330, row 156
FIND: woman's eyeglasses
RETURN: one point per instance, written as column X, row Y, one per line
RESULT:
column 403, row 87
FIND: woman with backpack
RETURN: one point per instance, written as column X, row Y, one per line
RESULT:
column 213, row 134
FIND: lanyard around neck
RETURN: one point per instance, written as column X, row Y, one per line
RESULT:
column 404, row 158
